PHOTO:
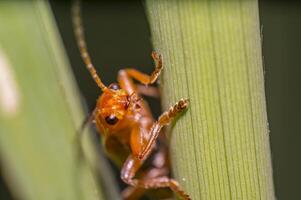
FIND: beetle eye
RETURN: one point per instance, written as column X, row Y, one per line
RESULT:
column 114, row 86
column 111, row 119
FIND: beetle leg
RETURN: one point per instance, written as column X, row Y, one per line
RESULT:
column 144, row 78
column 132, row 193
column 126, row 83
column 163, row 120
column 79, row 133
column 88, row 119
column 135, row 192
column 148, row 90
column 132, row 165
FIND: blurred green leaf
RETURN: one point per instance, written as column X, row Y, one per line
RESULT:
column 40, row 109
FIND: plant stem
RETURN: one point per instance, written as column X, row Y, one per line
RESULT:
column 212, row 55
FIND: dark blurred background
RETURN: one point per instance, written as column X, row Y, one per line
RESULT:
column 118, row 36
column 281, row 23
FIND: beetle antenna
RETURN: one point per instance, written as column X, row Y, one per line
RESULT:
column 81, row 43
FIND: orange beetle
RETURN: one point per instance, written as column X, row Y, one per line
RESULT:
column 128, row 130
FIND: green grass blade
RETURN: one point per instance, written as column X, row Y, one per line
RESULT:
column 212, row 55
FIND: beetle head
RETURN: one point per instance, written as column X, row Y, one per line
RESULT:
column 115, row 103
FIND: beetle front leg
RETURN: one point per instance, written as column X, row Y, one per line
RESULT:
column 88, row 119
column 147, row 90
column 163, row 120
column 145, row 78
column 132, row 165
